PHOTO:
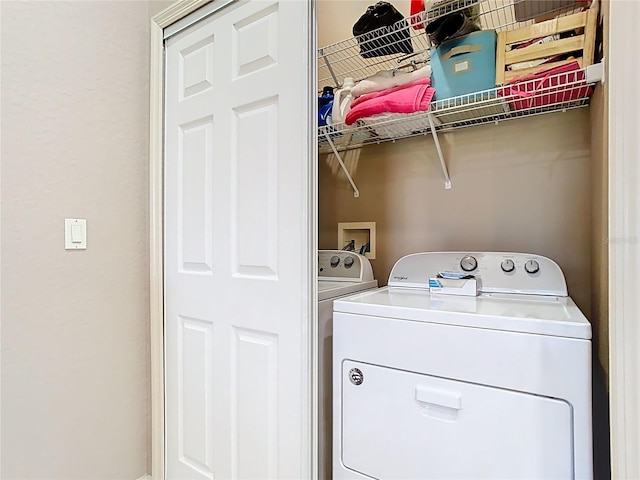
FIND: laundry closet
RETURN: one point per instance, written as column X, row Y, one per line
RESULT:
column 234, row 228
column 535, row 183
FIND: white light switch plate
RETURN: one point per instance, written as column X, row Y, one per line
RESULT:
column 75, row 234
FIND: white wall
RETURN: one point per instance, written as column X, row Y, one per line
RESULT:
column 75, row 334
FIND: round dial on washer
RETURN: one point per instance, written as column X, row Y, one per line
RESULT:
column 468, row 263
column 507, row 265
column 335, row 260
column 348, row 262
column 532, row 266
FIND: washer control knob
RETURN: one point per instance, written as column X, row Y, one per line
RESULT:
column 532, row 266
column 468, row 263
column 507, row 265
column 335, row 260
column 348, row 262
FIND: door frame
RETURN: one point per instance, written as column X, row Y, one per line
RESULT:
column 169, row 18
column 624, row 237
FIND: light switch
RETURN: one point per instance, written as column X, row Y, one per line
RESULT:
column 75, row 233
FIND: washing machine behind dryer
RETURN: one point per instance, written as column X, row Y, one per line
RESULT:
column 340, row 273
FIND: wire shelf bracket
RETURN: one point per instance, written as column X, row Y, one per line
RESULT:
column 596, row 73
column 443, row 164
column 356, row 192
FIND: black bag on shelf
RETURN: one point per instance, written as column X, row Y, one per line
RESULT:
column 450, row 26
column 382, row 30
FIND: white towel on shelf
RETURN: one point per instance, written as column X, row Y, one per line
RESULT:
column 386, row 79
column 397, row 125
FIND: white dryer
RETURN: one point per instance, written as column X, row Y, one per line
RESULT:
column 496, row 386
column 340, row 273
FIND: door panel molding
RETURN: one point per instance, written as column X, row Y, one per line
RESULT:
column 167, row 23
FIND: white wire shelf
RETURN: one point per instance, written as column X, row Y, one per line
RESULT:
column 560, row 92
column 342, row 59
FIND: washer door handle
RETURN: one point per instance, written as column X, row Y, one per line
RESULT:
column 436, row 396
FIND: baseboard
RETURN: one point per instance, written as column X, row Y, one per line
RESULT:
column 145, row 477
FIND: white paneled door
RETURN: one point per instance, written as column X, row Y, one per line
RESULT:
column 237, row 244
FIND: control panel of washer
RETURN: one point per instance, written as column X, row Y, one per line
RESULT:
column 497, row 272
column 339, row 265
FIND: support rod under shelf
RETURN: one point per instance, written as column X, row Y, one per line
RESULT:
column 356, row 192
column 328, row 64
column 445, row 171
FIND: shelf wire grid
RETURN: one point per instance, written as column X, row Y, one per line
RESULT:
column 560, row 92
column 342, row 59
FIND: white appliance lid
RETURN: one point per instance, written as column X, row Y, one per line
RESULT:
column 328, row 289
column 544, row 315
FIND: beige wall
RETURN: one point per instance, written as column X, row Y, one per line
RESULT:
column 518, row 186
column 336, row 17
column 75, row 363
column 599, row 205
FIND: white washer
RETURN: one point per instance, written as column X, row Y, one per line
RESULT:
column 340, row 273
column 496, row 386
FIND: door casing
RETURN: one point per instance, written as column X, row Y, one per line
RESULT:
column 624, row 237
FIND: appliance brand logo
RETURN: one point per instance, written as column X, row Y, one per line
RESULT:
column 399, row 277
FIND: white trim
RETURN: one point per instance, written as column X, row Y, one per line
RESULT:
column 156, row 302
column 145, row 477
column 313, row 335
column 624, row 237
column 177, row 11
column 195, row 17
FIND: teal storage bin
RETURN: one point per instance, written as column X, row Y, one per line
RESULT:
column 464, row 65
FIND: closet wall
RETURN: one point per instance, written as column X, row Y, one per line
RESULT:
column 600, row 265
column 535, row 185
column 599, row 205
column 523, row 185
column 518, row 186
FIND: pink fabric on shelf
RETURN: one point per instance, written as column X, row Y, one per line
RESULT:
column 387, row 91
column 414, row 97
column 552, row 86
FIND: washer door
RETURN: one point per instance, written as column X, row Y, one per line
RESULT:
column 403, row 425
